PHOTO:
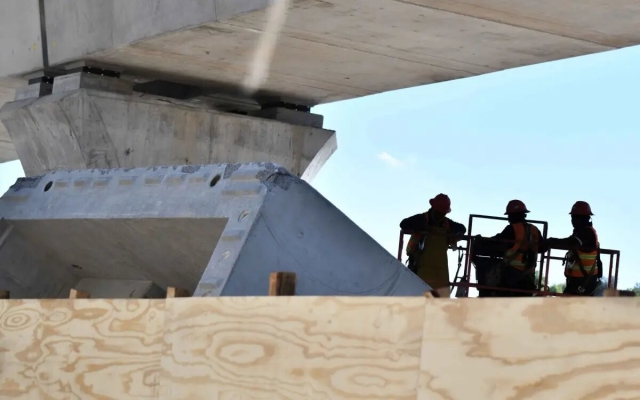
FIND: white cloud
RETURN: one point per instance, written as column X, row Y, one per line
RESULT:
column 390, row 160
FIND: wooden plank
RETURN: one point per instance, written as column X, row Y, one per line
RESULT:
column 282, row 284
column 80, row 349
column 577, row 348
column 78, row 294
column 611, row 293
column 173, row 292
column 438, row 293
column 618, row 293
column 320, row 348
column 292, row 348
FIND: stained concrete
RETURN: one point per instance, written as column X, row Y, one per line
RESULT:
column 169, row 225
column 83, row 128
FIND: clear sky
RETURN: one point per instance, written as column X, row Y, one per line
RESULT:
column 548, row 134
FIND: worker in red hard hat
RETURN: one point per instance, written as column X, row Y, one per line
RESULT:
column 583, row 268
column 519, row 242
column 433, row 234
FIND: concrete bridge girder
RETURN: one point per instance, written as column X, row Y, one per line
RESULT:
column 329, row 50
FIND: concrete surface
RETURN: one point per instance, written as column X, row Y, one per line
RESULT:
column 329, row 50
column 20, row 41
column 338, row 49
column 77, row 28
column 28, row 270
column 7, row 93
column 120, row 289
column 84, row 128
column 170, row 226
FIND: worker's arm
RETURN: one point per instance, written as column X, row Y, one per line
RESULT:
column 507, row 234
column 543, row 244
column 456, row 229
column 504, row 242
column 581, row 238
column 416, row 223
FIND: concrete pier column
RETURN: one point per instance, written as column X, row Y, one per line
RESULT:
column 91, row 121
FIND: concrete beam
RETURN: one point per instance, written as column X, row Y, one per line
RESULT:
column 20, row 39
column 8, row 89
column 328, row 50
column 86, row 128
column 215, row 230
column 74, row 29
column 120, row 289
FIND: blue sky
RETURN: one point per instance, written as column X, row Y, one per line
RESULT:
column 548, row 134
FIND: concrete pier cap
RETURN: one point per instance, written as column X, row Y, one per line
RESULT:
column 215, row 230
column 86, row 120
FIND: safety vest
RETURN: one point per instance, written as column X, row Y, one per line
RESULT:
column 416, row 242
column 588, row 259
column 515, row 255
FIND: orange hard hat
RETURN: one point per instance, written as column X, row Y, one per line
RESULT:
column 441, row 203
column 516, row 206
column 581, row 208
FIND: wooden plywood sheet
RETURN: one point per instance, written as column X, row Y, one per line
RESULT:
column 292, row 348
column 80, row 349
column 320, row 348
column 531, row 349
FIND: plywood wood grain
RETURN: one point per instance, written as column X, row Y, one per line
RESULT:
column 80, row 349
column 292, row 348
column 320, row 348
column 550, row 348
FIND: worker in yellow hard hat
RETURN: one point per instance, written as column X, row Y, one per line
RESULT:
column 432, row 235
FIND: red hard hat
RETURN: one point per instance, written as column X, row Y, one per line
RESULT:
column 516, row 206
column 581, row 208
column 441, row 203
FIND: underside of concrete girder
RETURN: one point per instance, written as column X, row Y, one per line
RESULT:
column 329, row 49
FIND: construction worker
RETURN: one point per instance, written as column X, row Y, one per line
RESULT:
column 520, row 243
column 427, row 248
column 583, row 268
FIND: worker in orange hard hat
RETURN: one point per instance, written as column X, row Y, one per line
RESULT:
column 583, row 268
column 432, row 235
column 520, row 242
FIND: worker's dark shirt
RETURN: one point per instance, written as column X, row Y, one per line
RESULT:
column 418, row 223
column 582, row 238
column 508, row 234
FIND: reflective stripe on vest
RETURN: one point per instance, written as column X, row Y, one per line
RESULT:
column 572, row 268
column 514, row 256
column 415, row 242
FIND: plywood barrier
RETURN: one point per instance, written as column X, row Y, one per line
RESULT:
column 320, row 348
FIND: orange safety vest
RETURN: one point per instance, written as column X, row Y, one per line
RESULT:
column 588, row 259
column 416, row 241
column 515, row 255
